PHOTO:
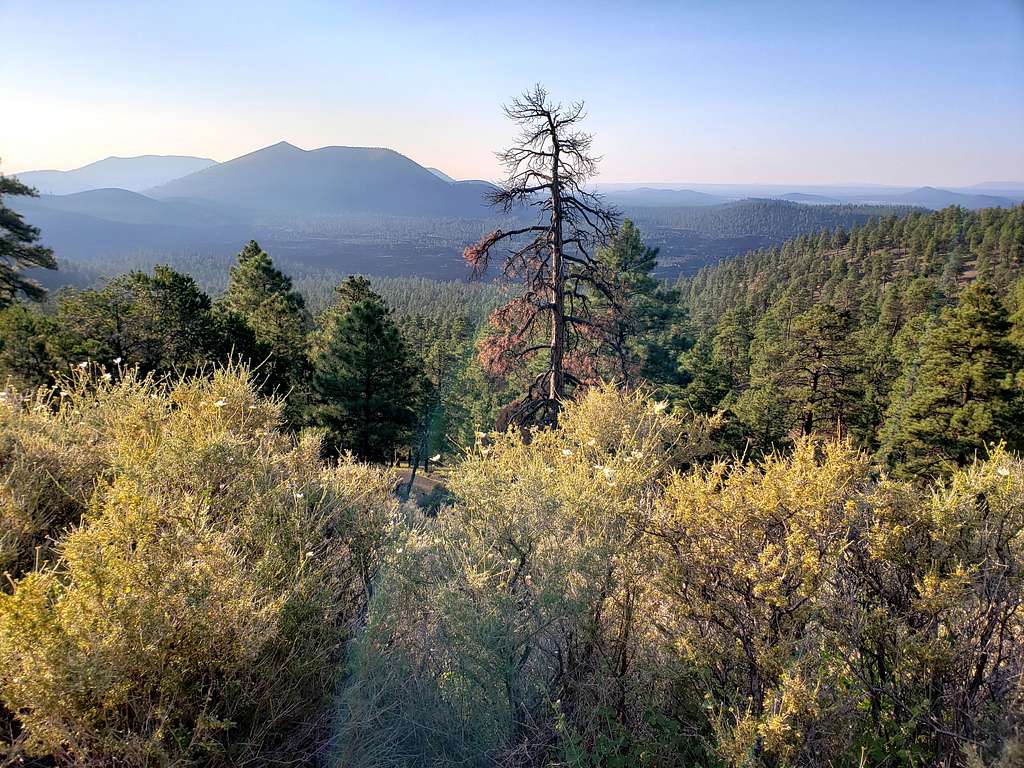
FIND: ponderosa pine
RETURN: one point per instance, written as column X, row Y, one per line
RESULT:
column 264, row 298
column 960, row 397
column 365, row 385
column 19, row 249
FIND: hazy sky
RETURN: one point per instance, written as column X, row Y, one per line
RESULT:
column 707, row 91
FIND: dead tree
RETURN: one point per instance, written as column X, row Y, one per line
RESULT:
column 555, row 317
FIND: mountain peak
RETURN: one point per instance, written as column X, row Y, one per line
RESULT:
column 283, row 179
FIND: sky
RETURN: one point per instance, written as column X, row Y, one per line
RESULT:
column 709, row 91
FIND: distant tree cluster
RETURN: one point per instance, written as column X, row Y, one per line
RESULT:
column 775, row 220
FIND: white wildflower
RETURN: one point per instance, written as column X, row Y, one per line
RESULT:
column 1003, row 472
column 84, row 364
column 591, row 442
column 481, row 435
column 117, row 361
column 436, row 457
column 220, row 404
column 298, row 494
column 566, row 452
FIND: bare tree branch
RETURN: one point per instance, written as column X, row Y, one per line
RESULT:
column 547, row 170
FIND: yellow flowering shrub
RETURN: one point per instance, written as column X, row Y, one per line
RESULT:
column 518, row 617
column 930, row 620
column 747, row 553
column 596, row 597
column 198, row 612
column 839, row 617
column 49, row 462
column 191, row 586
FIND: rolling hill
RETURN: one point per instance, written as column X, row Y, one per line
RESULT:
column 651, row 197
column 120, row 205
column 692, row 237
column 930, row 197
column 131, row 173
column 103, row 222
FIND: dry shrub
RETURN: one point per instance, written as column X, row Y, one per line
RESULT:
column 198, row 613
column 836, row 618
column 514, row 626
column 48, row 466
column 591, row 599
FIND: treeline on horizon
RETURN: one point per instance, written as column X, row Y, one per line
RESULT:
column 327, row 248
column 769, row 516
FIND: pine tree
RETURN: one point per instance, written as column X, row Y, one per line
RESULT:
column 731, row 346
column 960, row 394
column 709, row 380
column 364, row 380
column 18, row 249
column 263, row 297
column 806, row 375
column 551, row 321
column 1016, row 304
column 646, row 334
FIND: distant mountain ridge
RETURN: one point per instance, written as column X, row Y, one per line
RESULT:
column 284, row 179
column 128, row 207
column 985, row 195
column 441, row 175
column 131, row 173
column 931, row 197
column 374, row 210
column 652, row 197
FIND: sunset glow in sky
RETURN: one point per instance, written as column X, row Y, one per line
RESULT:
column 715, row 92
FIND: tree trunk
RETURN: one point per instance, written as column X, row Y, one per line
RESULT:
column 556, row 388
